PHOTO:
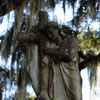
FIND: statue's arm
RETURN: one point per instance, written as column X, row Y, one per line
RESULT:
column 66, row 55
column 54, row 53
column 51, row 51
column 70, row 52
column 28, row 37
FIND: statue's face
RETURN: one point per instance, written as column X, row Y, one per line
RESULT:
column 53, row 33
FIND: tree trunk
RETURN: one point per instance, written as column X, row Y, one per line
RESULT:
column 21, row 93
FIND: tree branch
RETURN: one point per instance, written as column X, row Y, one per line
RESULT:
column 82, row 55
column 2, row 37
column 10, row 5
column 87, row 61
column 5, row 71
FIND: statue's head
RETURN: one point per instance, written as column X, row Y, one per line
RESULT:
column 52, row 30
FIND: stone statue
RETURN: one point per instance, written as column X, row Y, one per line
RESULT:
column 58, row 73
column 60, row 77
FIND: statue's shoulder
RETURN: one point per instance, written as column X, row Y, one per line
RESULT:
column 70, row 38
column 71, row 41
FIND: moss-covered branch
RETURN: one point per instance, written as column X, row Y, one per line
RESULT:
column 2, row 37
column 87, row 61
column 10, row 5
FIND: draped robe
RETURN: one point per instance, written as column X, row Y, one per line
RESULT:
column 66, row 80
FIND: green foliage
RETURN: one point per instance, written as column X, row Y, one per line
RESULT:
column 30, row 97
column 89, row 42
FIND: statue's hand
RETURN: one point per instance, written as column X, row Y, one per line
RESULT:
column 43, row 49
column 55, row 59
column 59, row 55
column 62, row 49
